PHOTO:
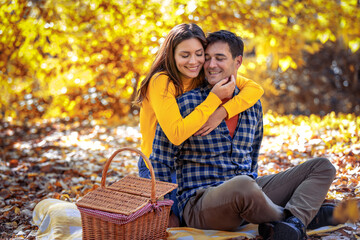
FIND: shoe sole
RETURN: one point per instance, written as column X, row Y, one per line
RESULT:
column 266, row 230
column 285, row 231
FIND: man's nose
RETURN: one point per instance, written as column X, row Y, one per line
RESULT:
column 212, row 63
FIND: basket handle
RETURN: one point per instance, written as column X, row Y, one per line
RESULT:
column 107, row 164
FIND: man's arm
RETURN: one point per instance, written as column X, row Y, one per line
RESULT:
column 259, row 131
column 163, row 156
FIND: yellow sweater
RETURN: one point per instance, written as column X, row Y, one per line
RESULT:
column 160, row 106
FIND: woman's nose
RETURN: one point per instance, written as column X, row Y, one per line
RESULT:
column 192, row 59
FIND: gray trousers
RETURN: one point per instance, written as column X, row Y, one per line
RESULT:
column 301, row 190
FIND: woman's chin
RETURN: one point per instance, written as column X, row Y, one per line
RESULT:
column 192, row 74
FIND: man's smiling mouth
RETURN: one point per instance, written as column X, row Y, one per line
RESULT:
column 214, row 73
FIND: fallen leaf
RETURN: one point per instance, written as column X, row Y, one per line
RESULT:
column 347, row 210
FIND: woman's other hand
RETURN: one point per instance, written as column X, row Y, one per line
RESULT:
column 224, row 88
column 214, row 120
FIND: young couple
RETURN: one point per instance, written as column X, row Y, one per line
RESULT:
column 202, row 127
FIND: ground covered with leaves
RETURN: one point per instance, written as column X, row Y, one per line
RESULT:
column 64, row 160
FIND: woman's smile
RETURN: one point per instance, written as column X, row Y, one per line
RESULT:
column 189, row 57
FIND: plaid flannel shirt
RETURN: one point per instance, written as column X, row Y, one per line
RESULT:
column 201, row 162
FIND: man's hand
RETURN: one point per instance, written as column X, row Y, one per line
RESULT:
column 224, row 88
column 214, row 120
column 173, row 221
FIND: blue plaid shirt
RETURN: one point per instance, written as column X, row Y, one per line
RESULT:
column 201, row 162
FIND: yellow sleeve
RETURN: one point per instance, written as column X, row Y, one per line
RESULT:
column 250, row 93
column 177, row 128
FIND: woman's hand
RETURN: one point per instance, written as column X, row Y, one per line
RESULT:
column 214, row 120
column 224, row 88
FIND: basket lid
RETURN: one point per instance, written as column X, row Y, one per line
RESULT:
column 142, row 186
column 125, row 196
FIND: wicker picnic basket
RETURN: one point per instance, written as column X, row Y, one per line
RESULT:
column 128, row 209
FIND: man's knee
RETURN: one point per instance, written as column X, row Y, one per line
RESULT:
column 245, row 186
column 326, row 166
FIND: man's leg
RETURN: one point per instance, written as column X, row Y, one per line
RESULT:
column 225, row 207
column 301, row 189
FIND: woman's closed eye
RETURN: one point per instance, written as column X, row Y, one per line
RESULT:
column 188, row 55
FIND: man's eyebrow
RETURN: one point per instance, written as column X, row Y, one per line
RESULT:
column 217, row 54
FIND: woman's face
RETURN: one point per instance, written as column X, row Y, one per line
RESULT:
column 189, row 57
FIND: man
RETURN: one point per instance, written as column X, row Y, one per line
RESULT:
column 219, row 187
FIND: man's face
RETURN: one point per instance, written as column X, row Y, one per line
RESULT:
column 219, row 63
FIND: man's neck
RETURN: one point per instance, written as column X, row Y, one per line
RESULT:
column 225, row 100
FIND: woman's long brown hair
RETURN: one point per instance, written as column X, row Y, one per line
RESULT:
column 165, row 59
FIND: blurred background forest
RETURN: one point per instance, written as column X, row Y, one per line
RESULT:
column 83, row 59
column 79, row 62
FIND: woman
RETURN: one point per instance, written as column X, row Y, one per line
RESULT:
column 177, row 69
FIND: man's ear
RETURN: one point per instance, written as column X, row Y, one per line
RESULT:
column 238, row 61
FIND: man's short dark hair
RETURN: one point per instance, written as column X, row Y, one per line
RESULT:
column 235, row 43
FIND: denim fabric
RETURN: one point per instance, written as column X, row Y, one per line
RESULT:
column 145, row 173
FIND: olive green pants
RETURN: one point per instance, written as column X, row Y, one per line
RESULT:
column 301, row 190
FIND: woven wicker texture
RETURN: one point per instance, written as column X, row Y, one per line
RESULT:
column 128, row 196
column 112, row 201
column 141, row 186
column 149, row 226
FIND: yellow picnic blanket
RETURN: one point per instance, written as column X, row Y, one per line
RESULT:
column 249, row 231
column 59, row 219
column 185, row 233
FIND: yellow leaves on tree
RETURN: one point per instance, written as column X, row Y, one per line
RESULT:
column 51, row 48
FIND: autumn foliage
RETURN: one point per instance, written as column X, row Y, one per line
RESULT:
column 55, row 159
column 84, row 59
column 69, row 71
